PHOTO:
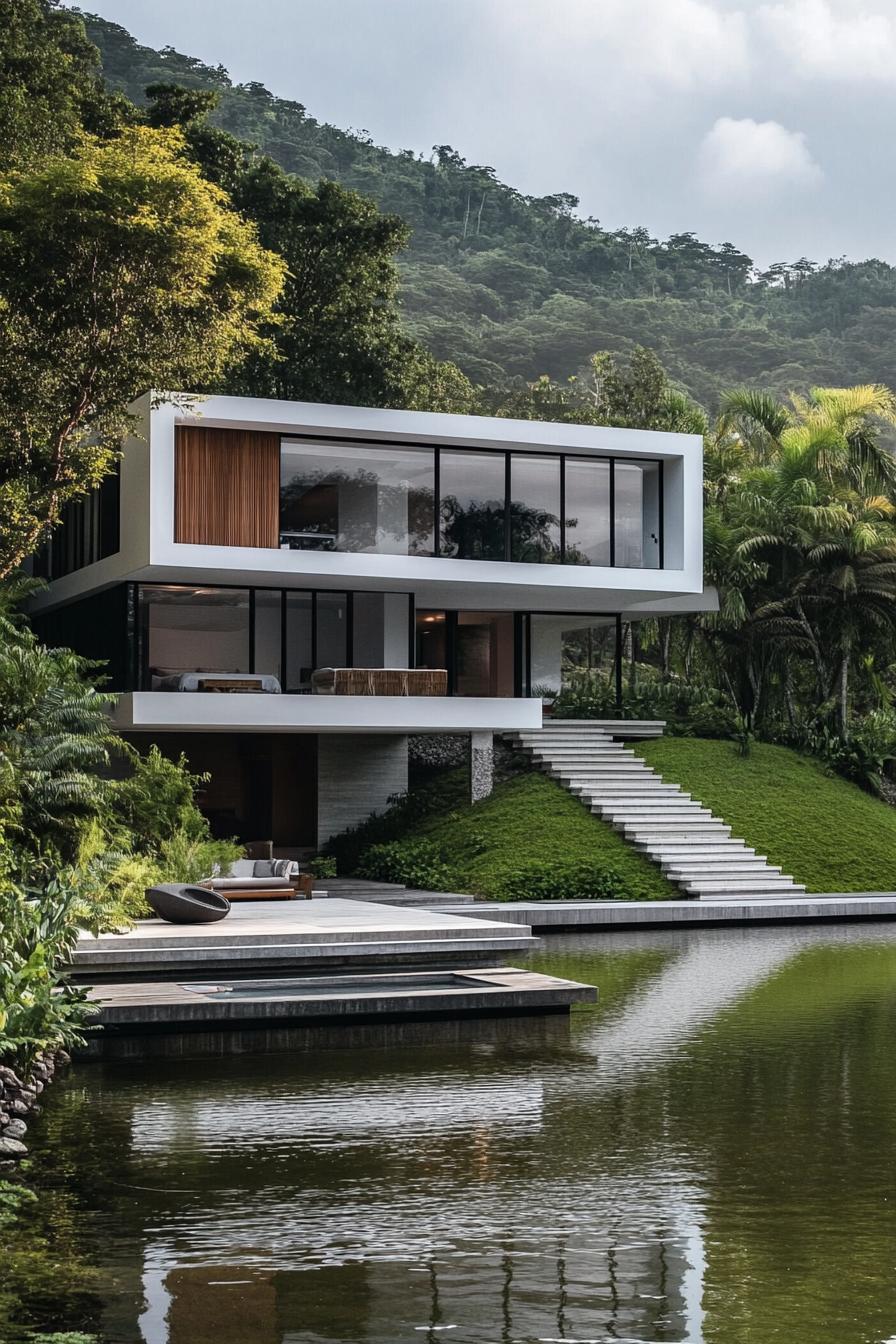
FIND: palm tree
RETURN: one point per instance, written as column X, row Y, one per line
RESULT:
column 849, row 585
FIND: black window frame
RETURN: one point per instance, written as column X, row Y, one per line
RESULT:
column 508, row 454
column 139, row 673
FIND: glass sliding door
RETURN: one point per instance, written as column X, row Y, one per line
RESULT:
column 637, row 515
column 431, row 640
column 535, row 508
column 380, row 629
column 268, row 633
column 299, row 641
column 331, row 630
column 587, row 524
column 571, row 652
column 471, row 508
column 359, row 498
column 193, row 630
column 484, row 648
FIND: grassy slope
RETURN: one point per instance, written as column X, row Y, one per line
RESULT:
column 824, row 831
column 533, row 818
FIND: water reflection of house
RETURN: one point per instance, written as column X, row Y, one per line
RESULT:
column 635, row 1289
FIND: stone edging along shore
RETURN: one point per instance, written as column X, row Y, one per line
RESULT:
column 18, row 1100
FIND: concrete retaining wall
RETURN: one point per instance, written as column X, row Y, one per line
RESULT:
column 357, row 775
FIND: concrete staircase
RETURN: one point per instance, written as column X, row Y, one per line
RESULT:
column 694, row 849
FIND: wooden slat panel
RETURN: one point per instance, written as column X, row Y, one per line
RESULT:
column 226, row 487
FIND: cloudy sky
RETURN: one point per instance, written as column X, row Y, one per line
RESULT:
column 769, row 125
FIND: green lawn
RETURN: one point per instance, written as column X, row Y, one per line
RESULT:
column 531, row 818
column 822, row 830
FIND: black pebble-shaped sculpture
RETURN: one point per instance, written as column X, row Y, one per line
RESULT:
column 187, row 905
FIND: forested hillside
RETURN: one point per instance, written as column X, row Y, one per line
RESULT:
column 512, row 287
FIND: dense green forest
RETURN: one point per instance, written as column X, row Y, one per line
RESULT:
column 511, row 287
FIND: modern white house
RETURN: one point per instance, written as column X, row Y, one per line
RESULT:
column 243, row 546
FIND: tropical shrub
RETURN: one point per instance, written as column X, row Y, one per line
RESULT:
column 187, row 858
column 583, row 880
column 157, row 798
column 322, row 866
column 415, row 863
column 698, row 711
column 39, row 1010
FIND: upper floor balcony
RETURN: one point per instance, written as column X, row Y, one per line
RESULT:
column 457, row 511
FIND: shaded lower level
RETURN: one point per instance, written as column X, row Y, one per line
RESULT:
column 293, row 789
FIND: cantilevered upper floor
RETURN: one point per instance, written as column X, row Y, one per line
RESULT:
column 458, row 512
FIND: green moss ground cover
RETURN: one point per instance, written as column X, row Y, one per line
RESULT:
column 824, row 831
column 531, row 819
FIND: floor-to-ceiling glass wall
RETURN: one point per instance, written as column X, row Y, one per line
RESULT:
column 571, row 652
column 472, row 488
column 638, row 543
column 186, row 629
column 588, row 528
column 484, row 653
column 346, row 497
column 535, row 509
column 471, row 504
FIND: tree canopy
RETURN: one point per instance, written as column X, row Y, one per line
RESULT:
column 121, row 269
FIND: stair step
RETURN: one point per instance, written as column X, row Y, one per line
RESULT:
column 722, row 865
column 599, row 799
column 618, row 769
column 653, row 835
column 735, row 871
column 660, row 812
column 738, row 886
column 658, row 805
column 717, row 844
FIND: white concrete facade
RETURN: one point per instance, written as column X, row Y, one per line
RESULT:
column 361, row 740
column 149, row 552
column 163, row 711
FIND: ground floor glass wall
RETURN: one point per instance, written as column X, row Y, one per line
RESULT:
column 519, row 653
column 570, row 653
column 282, row 634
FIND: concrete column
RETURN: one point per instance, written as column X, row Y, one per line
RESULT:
column 482, row 766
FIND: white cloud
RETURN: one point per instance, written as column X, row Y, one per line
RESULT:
column 820, row 42
column 608, row 49
column 747, row 158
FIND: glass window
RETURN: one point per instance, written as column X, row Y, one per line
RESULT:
column 331, row 642
column 341, row 497
column 637, row 515
column 380, row 629
column 472, row 505
column 193, row 630
column 432, row 639
column 484, row 656
column 535, row 508
column 587, row 511
column 268, row 624
column 299, row 653
column 571, row 652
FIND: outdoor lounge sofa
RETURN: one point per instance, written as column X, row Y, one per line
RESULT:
column 257, row 879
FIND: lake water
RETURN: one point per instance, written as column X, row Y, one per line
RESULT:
column 707, row 1155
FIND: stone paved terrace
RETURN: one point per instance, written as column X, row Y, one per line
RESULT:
column 298, row 935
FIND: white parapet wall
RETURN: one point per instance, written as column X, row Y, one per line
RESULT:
column 184, row 711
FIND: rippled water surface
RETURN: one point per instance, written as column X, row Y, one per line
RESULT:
column 708, row 1155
